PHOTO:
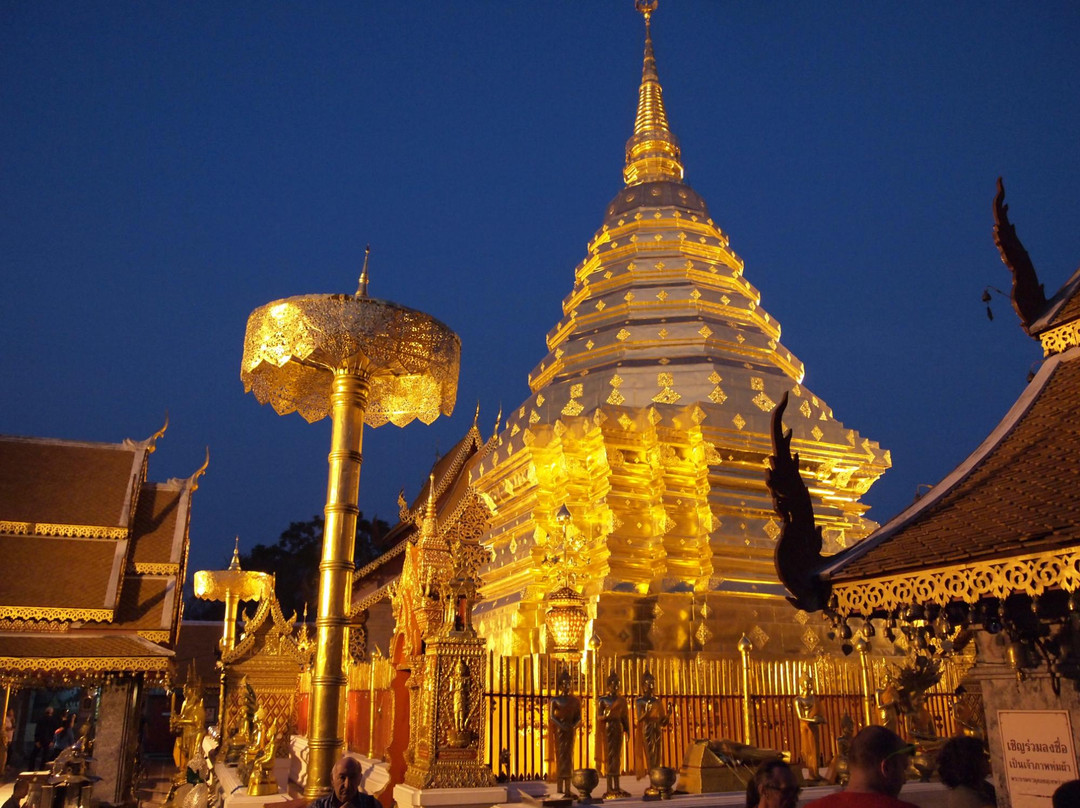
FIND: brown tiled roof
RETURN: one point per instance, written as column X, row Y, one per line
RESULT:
column 59, row 573
column 1063, row 307
column 68, row 483
column 160, row 519
column 1019, row 493
column 146, row 604
column 198, row 641
column 24, row 655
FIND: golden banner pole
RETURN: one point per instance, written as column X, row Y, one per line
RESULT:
column 371, row 708
column 863, row 647
column 745, row 647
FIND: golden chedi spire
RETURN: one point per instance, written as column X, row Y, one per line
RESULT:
column 652, row 153
column 650, row 418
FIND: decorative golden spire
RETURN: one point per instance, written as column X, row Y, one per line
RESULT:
column 235, row 563
column 361, row 287
column 652, row 153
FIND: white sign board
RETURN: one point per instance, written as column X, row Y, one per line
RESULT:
column 1039, row 754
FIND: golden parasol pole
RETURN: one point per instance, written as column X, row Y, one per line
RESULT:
column 329, row 681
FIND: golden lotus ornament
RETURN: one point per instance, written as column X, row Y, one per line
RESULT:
column 359, row 360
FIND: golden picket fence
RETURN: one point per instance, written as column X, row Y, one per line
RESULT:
column 704, row 699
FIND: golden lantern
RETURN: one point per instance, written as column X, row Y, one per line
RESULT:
column 566, row 619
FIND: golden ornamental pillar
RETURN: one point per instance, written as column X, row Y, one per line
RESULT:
column 359, row 360
column 863, row 647
column 745, row 647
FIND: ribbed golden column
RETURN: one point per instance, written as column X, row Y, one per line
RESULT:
column 329, row 680
column 359, row 360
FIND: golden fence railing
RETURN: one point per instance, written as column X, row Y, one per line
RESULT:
column 704, row 698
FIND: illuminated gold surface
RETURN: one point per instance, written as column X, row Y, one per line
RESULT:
column 649, row 418
column 1029, row 575
column 1060, row 339
column 410, row 358
column 72, row 531
column 360, row 360
column 231, row 586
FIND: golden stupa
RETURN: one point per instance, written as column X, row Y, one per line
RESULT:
column 649, row 420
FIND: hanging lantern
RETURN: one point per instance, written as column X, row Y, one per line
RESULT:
column 566, row 619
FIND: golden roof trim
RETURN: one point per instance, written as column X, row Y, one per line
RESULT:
column 1030, row 574
column 89, row 664
column 382, row 593
column 153, row 568
column 49, row 613
column 64, row 531
column 155, row 636
column 1060, row 339
column 371, row 566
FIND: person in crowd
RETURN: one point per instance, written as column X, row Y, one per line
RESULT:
column 964, row 766
column 43, row 735
column 64, row 736
column 878, row 768
column 773, row 786
column 345, row 788
column 1067, row 795
column 18, row 794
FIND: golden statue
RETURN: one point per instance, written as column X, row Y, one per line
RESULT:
column 463, row 707
column 256, row 744
column 240, row 735
column 613, row 723
column 838, row 766
column 190, row 724
column 887, row 699
column 652, row 717
column 261, row 777
column 565, row 718
column 810, row 720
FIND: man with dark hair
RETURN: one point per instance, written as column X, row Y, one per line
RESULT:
column 1067, row 795
column 43, row 735
column 878, row 762
column 345, row 787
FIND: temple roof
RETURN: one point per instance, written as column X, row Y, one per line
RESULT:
column 29, row 656
column 1017, row 496
column 93, row 555
column 68, row 487
column 48, row 578
column 1018, row 493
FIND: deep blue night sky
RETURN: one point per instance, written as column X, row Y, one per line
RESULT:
column 165, row 168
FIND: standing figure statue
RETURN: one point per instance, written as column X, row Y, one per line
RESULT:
column 651, row 717
column 565, row 718
column 190, row 726
column 613, row 722
column 888, row 703
column 810, row 721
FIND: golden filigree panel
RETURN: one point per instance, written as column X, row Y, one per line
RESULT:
column 148, row 568
column 1029, row 575
column 67, row 531
column 1061, row 338
column 43, row 613
column 88, row 664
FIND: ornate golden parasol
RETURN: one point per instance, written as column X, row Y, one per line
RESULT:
column 356, row 359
